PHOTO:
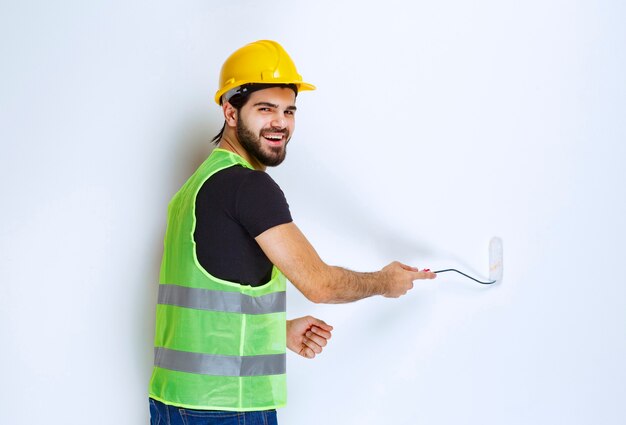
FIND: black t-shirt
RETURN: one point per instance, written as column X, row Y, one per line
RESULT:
column 232, row 208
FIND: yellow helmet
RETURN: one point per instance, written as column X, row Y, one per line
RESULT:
column 264, row 62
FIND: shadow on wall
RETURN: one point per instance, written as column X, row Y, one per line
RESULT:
column 323, row 193
column 192, row 146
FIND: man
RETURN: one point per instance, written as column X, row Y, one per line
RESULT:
column 230, row 242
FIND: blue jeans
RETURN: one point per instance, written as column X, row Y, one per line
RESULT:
column 163, row 414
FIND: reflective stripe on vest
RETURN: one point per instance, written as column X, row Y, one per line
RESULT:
column 231, row 302
column 212, row 364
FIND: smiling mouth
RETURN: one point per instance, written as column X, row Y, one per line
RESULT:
column 274, row 139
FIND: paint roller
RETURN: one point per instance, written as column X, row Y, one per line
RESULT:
column 495, row 263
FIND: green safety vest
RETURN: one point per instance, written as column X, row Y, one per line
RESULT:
column 219, row 345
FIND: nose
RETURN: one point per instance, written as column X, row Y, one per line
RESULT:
column 279, row 121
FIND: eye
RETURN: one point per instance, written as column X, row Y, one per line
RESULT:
column 264, row 109
column 290, row 112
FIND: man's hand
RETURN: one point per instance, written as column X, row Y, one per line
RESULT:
column 307, row 336
column 399, row 278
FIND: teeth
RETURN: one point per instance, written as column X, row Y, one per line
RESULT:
column 273, row 137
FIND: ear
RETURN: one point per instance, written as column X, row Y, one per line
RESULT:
column 230, row 114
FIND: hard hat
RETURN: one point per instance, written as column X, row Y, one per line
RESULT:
column 263, row 62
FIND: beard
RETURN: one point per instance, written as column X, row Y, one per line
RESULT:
column 271, row 156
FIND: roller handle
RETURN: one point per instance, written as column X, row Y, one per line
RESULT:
column 458, row 271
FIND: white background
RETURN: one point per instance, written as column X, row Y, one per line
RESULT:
column 435, row 126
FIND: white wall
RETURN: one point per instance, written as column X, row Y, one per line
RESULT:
column 436, row 125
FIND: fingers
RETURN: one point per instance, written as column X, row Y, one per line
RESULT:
column 320, row 337
column 307, row 352
column 400, row 290
column 409, row 268
column 326, row 334
column 428, row 274
column 309, row 348
column 416, row 273
column 316, row 348
column 315, row 340
column 422, row 274
column 319, row 323
column 401, row 277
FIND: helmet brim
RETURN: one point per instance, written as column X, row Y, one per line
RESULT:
column 301, row 85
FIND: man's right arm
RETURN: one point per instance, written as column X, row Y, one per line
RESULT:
column 291, row 252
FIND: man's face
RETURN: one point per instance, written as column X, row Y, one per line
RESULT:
column 266, row 123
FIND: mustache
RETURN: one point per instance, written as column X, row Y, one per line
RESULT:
column 274, row 130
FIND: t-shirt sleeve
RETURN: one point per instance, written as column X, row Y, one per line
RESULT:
column 261, row 204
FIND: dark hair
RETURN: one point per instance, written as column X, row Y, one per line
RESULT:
column 240, row 99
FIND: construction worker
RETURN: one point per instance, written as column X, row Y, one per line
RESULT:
column 230, row 244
